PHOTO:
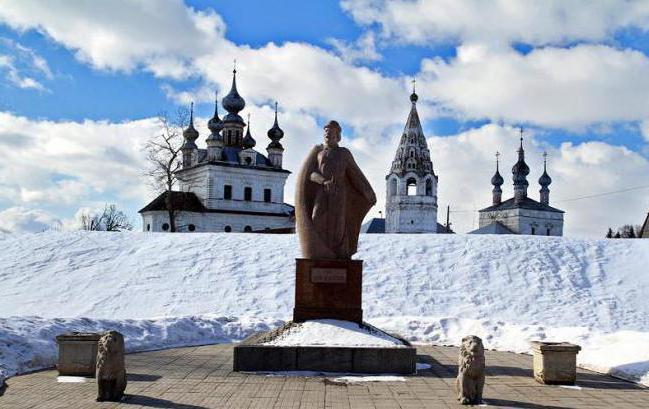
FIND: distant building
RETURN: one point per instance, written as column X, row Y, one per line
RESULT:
column 377, row 225
column 521, row 214
column 644, row 231
column 228, row 187
column 411, row 185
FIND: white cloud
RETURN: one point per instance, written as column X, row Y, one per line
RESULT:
column 504, row 22
column 555, row 87
column 644, row 129
column 71, row 162
column 24, row 220
column 121, row 34
column 21, row 64
column 361, row 50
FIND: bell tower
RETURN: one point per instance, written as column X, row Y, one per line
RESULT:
column 411, row 185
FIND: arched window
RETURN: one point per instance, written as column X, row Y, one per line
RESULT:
column 248, row 160
column 411, row 187
column 227, row 229
column 165, row 226
column 247, row 194
column 191, row 227
column 533, row 230
column 247, row 229
column 548, row 230
column 429, row 187
column 148, row 227
column 393, row 187
column 267, row 195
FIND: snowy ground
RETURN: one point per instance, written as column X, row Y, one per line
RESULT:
column 506, row 289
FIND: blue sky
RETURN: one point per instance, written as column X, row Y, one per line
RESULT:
column 574, row 76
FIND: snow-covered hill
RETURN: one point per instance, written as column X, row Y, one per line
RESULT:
column 507, row 289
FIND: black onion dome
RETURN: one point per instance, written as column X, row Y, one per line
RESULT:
column 497, row 179
column 215, row 124
column 191, row 134
column 545, row 179
column 521, row 168
column 233, row 102
column 275, row 133
column 248, row 141
column 413, row 97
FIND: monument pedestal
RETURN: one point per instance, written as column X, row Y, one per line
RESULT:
column 328, row 289
column 325, row 289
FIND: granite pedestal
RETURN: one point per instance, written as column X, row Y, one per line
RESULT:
column 555, row 363
column 77, row 353
column 328, row 289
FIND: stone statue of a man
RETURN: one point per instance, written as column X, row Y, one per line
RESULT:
column 332, row 198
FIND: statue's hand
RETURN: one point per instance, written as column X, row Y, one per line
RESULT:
column 330, row 185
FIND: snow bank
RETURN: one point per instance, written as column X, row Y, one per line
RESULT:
column 334, row 333
column 624, row 354
column 27, row 343
column 507, row 289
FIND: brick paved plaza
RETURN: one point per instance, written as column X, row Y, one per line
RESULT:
column 202, row 377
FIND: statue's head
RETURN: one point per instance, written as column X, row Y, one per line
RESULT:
column 332, row 133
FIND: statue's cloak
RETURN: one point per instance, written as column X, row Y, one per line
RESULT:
column 359, row 198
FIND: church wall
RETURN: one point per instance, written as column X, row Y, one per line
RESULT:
column 411, row 214
column 213, row 222
column 208, row 183
column 521, row 221
column 239, row 179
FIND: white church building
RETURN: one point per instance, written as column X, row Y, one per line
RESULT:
column 229, row 186
column 521, row 214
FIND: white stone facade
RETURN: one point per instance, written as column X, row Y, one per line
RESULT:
column 209, row 184
column 526, row 221
column 411, row 213
column 214, row 222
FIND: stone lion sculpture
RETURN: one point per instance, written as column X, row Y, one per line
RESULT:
column 111, row 371
column 471, row 367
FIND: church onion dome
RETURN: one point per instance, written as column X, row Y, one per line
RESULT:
column 520, row 170
column 413, row 97
column 190, row 134
column 233, row 103
column 215, row 124
column 248, row 141
column 275, row 133
column 545, row 180
column 497, row 180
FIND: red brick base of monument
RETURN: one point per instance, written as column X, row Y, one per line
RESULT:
column 328, row 289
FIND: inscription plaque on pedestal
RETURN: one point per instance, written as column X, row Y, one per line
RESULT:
column 328, row 289
column 328, row 275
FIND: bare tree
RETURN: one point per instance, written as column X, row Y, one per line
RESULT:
column 163, row 154
column 90, row 222
column 115, row 220
column 627, row 231
column 110, row 219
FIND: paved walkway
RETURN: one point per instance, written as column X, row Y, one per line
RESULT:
column 202, row 377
